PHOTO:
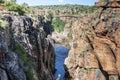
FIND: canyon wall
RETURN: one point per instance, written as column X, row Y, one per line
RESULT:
column 26, row 50
column 95, row 51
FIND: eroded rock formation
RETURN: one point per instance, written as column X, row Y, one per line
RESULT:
column 26, row 53
column 95, row 54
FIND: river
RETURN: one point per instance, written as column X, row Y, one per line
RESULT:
column 61, row 53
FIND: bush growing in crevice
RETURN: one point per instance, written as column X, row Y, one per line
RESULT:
column 68, row 45
column 28, row 64
column 3, row 24
column 70, row 34
column 29, row 74
column 20, row 52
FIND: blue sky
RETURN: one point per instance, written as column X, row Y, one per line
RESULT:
column 53, row 2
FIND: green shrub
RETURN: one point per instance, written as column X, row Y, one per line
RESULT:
column 70, row 34
column 50, row 16
column 3, row 24
column 26, row 62
column 58, row 24
column 45, row 77
column 1, row 1
column 67, row 45
column 82, row 52
column 20, row 52
column 29, row 74
column 11, row 6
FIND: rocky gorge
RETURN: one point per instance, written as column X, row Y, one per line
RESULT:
column 30, row 49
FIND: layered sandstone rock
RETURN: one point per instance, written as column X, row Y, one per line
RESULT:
column 108, row 3
column 95, row 51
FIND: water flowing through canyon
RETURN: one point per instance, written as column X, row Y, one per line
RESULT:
column 61, row 53
column 60, row 41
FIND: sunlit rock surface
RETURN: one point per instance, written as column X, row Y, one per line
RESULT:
column 95, row 51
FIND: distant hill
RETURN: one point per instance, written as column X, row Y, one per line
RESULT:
column 67, row 9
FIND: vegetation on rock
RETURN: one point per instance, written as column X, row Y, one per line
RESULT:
column 58, row 24
column 3, row 24
column 12, row 6
column 68, row 9
column 70, row 34
column 26, row 62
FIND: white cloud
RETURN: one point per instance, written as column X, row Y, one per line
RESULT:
column 61, row 0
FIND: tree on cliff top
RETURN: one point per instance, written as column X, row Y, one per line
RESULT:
column 11, row 6
column 50, row 16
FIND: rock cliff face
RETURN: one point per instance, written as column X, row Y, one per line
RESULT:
column 95, row 54
column 26, row 53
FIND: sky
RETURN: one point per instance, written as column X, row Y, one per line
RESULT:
column 55, row 2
